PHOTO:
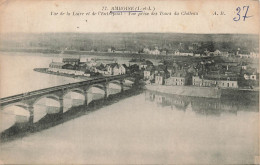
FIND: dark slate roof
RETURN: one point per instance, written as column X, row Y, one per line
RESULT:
column 147, row 62
column 57, row 63
column 113, row 65
column 160, row 74
column 220, row 77
column 124, row 65
column 100, row 67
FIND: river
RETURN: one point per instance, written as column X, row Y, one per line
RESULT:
column 145, row 128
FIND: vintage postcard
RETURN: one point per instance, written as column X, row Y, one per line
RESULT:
column 129, row 82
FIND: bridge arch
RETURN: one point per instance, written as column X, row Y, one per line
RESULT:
column 49, row 96
column 53, row 104
column 76, row 90
column 99, row 86
column 117, row 82
column 23, row 111
column 17, row 104
column 129, row 80
column 114, row 87
column 95, row 95
column 74, row 101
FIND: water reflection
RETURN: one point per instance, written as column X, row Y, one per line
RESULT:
column 169, row 129
column 204, row 106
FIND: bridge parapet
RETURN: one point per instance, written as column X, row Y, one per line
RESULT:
column 57, row 92
column 28, row 100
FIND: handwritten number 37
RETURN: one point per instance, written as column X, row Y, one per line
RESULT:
column 237, row 18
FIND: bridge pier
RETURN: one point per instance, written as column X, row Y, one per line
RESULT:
column 27, row 100
column 106, row 92
column 86, row 98
column 31, row 111
column 61, row 105
column 122, row 86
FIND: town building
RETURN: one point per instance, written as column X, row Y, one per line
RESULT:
column 182, row 53
column 149, row 73
column 72, row 61
column 115, row 69
column 244, row 67
column 121, row 50
column 146, row 50
column 64, row 68
column 217, row 52
column 221, row 82
column 163, row 52
column 227, row 84
column 145, row 64
column 111, row 50
column 160, row 78
column 127, row 69
column 60, row 65
column 134, row 68
column 154, row 52
column 190, row 47
column 224, row 54
column 176, row 80
column 57, row 65
column 161, row 74
column 244, row 55
column 100, row 69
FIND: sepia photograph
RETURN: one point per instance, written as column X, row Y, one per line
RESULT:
column 129, row 82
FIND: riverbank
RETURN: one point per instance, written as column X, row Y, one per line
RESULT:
column 107, row 54
column 193, row 91
column 207, row 92
column 127, row 55
column 45, row 70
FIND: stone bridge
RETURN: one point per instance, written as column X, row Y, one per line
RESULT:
column 28, row 100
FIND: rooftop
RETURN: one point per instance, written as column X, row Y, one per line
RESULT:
column 220, row 77
column 113, row 65
column 57, row 63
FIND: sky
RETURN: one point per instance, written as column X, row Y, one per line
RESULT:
column 31, row 16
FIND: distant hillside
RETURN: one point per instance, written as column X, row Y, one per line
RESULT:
column 128, row 41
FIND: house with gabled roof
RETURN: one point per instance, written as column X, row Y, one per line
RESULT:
column 160, row 78
column 149, row 72
column 161, row 74
column 145, row 64
column 115, row 69
column 72, row 61
column 178, row 78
